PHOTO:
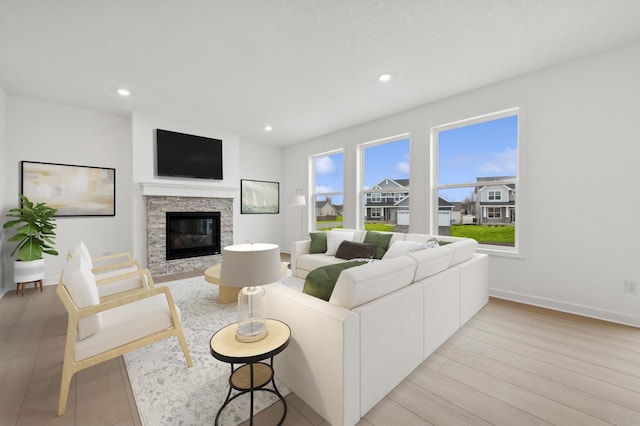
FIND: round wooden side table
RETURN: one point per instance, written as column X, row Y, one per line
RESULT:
column 254, row 374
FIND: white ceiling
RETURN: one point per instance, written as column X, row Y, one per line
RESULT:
column 306, row 67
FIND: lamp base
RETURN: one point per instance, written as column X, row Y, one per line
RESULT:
column 251, row 330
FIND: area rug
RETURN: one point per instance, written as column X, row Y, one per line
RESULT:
column 169, row 393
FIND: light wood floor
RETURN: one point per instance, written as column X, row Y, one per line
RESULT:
column 510, row 365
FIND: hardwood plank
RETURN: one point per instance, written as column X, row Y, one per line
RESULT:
column 475, row 402
column 389, row 413
column 547, row 388
column 431, row 407
column 548, row 355
column 600, row 389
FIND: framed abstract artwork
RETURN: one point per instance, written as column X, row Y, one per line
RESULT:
column 259, row 197
column 73, row 190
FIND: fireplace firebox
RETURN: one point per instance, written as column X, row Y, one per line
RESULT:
column 192, row 234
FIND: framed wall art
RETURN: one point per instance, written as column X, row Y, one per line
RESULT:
column 259, row 197
column 73, row 190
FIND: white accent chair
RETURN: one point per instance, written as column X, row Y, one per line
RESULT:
column 100, row 329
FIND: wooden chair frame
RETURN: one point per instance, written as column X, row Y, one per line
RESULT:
column 71, row 366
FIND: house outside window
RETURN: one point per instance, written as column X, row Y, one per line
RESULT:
column 476, row 171
column 328, row 189
column 384, row 184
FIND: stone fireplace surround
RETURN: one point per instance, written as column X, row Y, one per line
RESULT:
column 157, row 206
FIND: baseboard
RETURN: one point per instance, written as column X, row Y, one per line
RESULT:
column 571, row 308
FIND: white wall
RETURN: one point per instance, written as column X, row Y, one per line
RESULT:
column 3, row 185
column 263, row 162
column 579, row 137
column 54, row 133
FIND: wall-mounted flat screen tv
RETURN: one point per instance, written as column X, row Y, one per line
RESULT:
column 183, row 155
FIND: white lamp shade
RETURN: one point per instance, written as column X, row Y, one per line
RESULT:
column 297, row 200
column 247, row 265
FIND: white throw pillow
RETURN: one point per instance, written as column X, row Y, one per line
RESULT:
column 334, row 238
column 81, row 285
column 400, row 248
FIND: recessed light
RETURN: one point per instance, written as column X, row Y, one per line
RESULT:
column 384, row 77
column 268, row 128
column 123, row 92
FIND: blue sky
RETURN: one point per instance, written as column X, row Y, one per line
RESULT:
column 464, row 154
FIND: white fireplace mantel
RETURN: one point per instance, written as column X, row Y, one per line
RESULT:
column 188, row 189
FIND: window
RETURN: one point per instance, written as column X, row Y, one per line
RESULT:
column 494, row 212
column 495, row 195
column 476, row 173
column 385, row 183
column 328, row 184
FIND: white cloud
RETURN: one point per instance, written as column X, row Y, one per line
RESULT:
column 320, row 189
column 403, row 168
column 501, row 163
column 325, row 166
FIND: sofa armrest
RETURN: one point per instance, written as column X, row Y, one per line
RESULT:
column 327, row 380
column 298, row 248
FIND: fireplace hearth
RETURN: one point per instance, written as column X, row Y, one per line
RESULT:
column 192, row 234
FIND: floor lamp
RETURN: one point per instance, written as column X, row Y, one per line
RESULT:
column 298, row 200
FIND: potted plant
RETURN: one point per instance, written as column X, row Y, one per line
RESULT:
column 35, row 236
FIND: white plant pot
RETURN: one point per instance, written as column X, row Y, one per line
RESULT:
column 24, row 272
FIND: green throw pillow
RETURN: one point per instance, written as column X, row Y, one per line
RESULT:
column 318, row 242
column 379, row 239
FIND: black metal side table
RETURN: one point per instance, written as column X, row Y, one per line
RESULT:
column 254, row 374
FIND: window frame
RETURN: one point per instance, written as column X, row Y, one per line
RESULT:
column 361, row 208
column 506, row 251
column 311, row 209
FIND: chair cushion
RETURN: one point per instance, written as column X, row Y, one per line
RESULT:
column 78, row 279
column 80, row 249
column 126, row 324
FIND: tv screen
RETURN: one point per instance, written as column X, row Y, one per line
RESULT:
column 182, row 155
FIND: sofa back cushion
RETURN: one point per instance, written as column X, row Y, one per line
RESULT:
column 334, row 238
column 430, row 261
column 463, row 250
column 362, row 284
column 80, row 283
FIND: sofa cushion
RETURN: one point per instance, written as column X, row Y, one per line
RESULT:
column 462, row 250
column 318, row 242
column 400, row 248
column 309, row 262
column 334, row 238
column 357, row 286
column 380, row 239
column 78, row 279
column 350, row 250
column 431, row 261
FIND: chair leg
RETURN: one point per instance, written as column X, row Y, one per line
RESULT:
column 65, row 383
column 185, row 349
column 40, row 282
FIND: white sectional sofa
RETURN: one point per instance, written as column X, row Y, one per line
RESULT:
column 382, row 320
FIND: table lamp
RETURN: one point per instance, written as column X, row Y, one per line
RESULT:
column 250, row 266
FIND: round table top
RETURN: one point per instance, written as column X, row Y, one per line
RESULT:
column 225, row 347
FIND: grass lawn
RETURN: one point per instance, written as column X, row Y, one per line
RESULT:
column 486, row 234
